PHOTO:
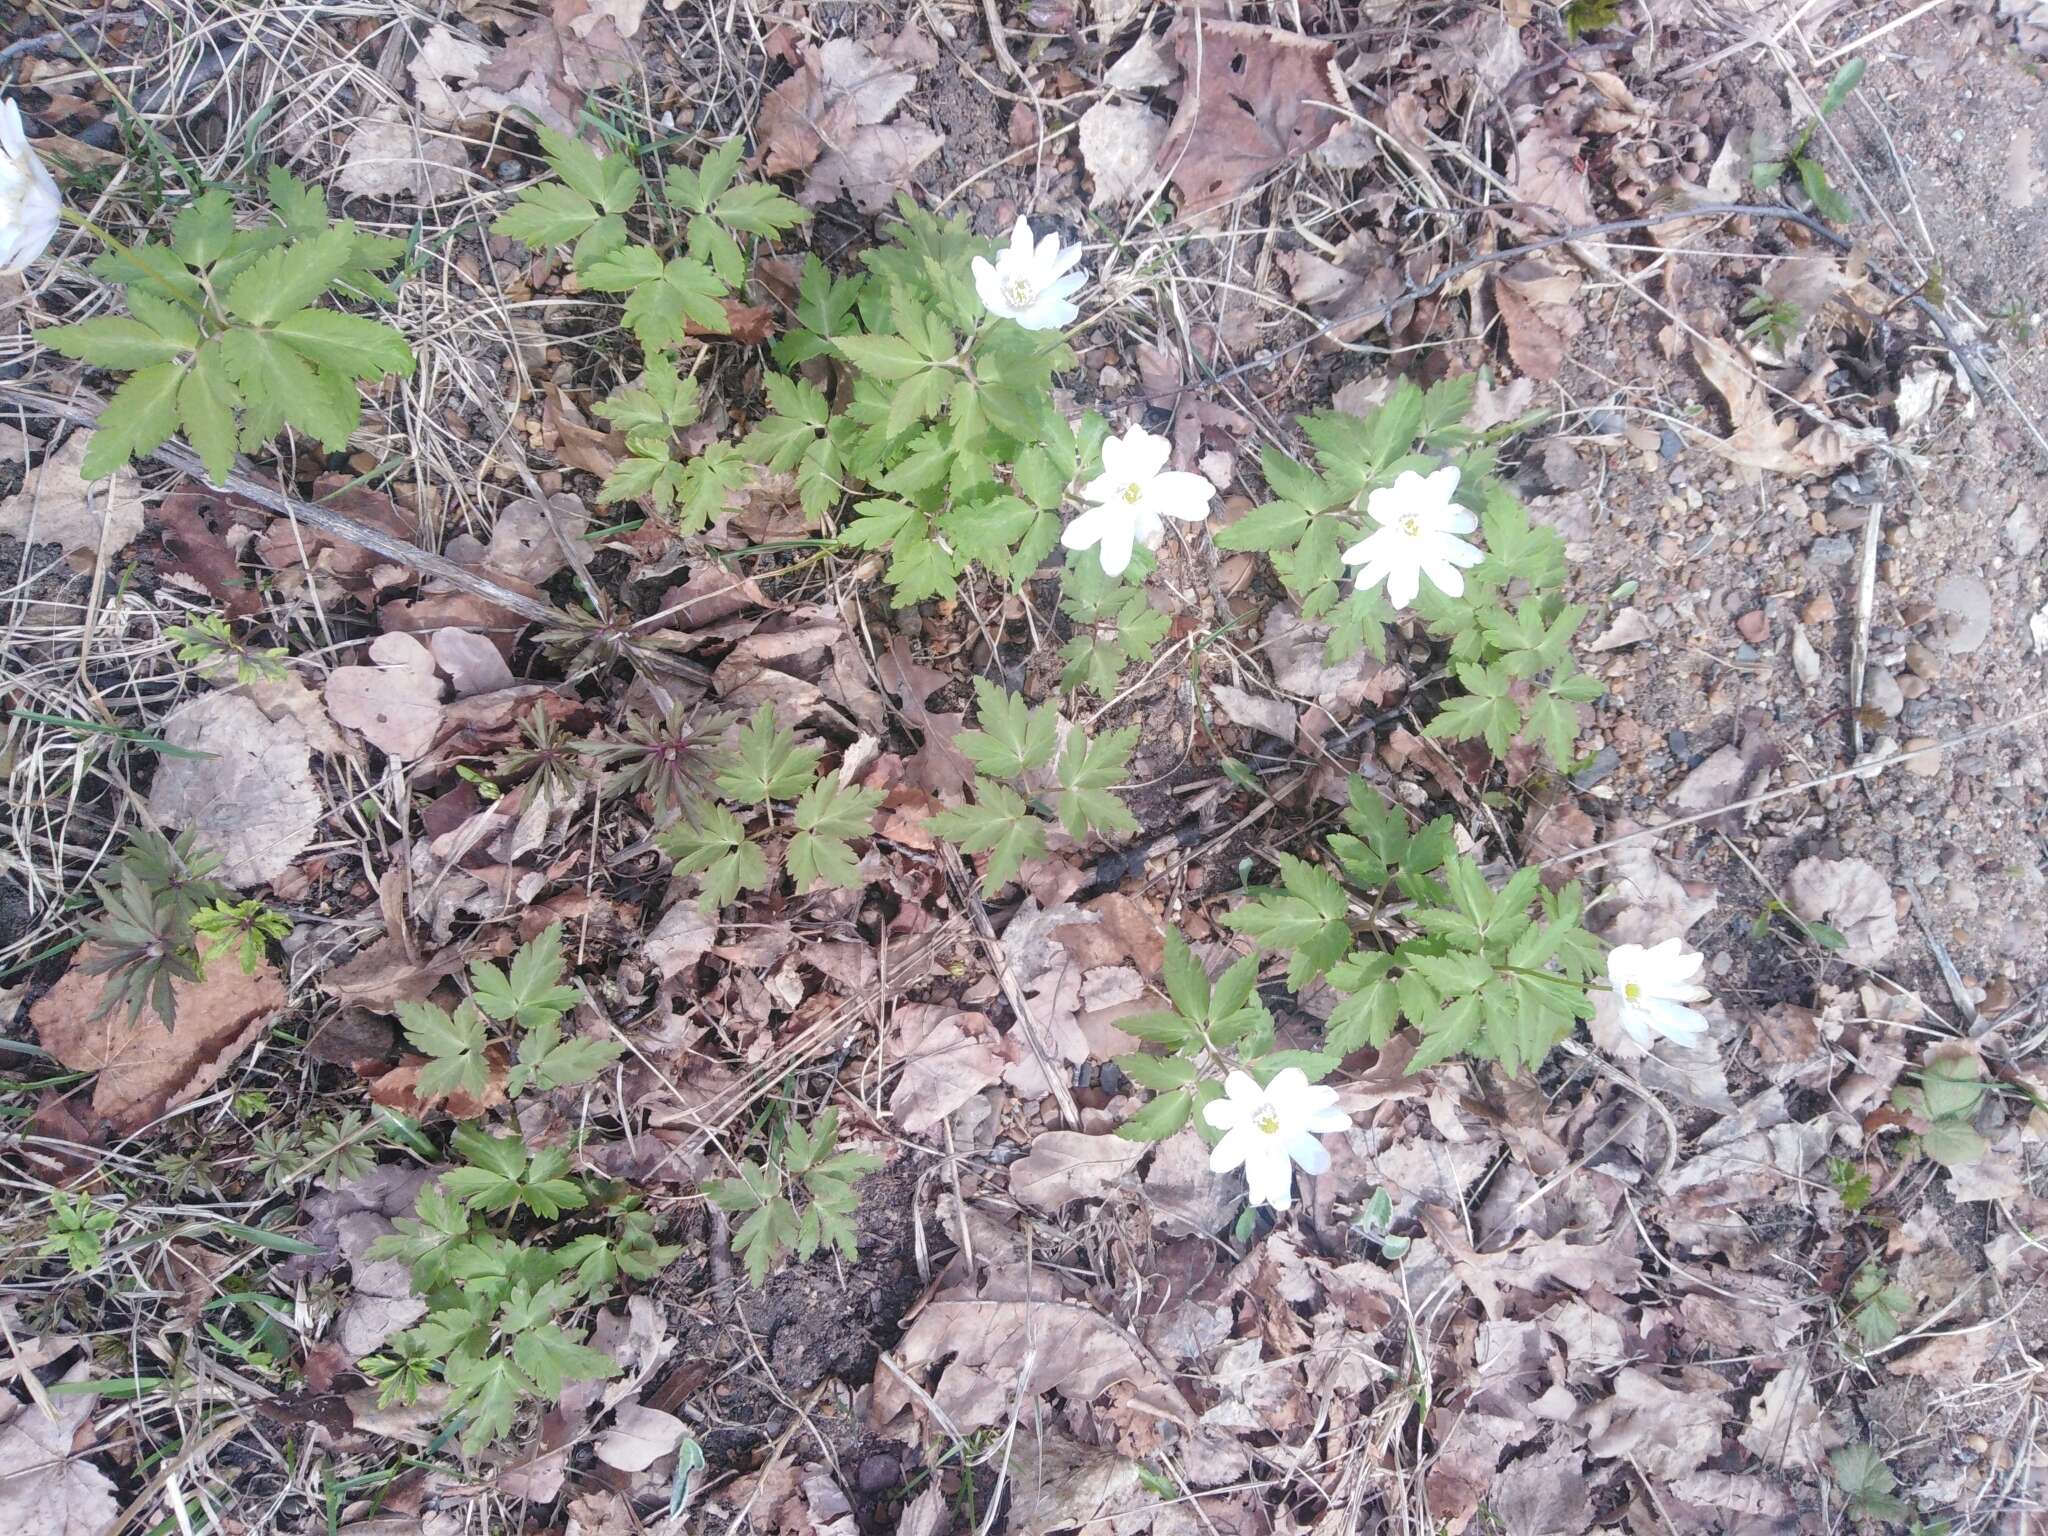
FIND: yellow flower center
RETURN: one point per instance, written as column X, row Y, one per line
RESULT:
column 1267, row 1120
column 1633, row 991
column 1019, row 291
column 1411, row 525
column 1132, row 493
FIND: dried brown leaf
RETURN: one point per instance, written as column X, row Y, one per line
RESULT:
column 146, row 1069
column 55, row 505
column 1253, row 99
column 253, row 801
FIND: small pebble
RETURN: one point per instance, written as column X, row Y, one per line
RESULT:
column 1753, row 626
column 1927, row 764
column 1923, row 663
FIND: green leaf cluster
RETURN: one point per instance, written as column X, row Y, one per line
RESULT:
column 670, row 287
column 145, row 937
column 1509, row 634
column 1017, row 741
column 948, row 451
column 1878, row 1308
column 1795, row 157
column 1947, row 1096
column 798, row 1198
column 727, row 839
column 1499, row 975
column 1114, row 624
column 225, row 338
column 531, row 999
column 498, row 1295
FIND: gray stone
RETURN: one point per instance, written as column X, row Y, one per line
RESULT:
column 1836, row 549
column 1965, row 602
column 1881, row 692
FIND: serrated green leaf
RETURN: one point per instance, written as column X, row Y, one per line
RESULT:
column 827, row 815
column 206, row 412
column 1160, row 1117
column 769, row 763
column 1160, row 1074
column 112, row 341
column 455, row 1042
column 713, row 842
column 141, row 415
column 998, row 824
column 289, row 278
column 351, row 344
column 547, row 213
column 1087, row 771
column 280, row 387
column 1013, row 737
column 611, row 181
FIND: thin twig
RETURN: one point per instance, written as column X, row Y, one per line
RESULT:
column 326, row 519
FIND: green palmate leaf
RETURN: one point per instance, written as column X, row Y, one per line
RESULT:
column 1867, row 1482
column 1485, row 710
column 827, row 815
column 612, row 182
column 531, row 994
column 546, row 1060
column 1161, row 1074
column 111, row 341
column 548, row 213
column 206, row 412
column 141, row 415
column 1088, row 769
column 769, row 765
column 624, row 270
column 455, row 1042
column 1952, row 1143
column 1447, row 1033
column 1160, row 1118
column 349, row 344
column 889, row 358
column 551, row 1359
column 1309, row 918
column 998, row 824
column 283, row 281
column 1014, row 738
column 1952, row 1086
column 205, row 228
column 279, row 387
column 489, row 1391
column 768, row 1233
column 714, row 843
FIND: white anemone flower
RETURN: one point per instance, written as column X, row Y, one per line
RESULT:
column 1268, row 1131
column 1029, row 283
column 1651, row 989
column 1417, row 536
column 29, row 200
column 1132, row 495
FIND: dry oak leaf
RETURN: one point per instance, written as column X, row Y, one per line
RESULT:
column 1549, row 177
column 871, row 168
column 252, row 800
column 1119, row 143
column 56, row 506
column 1851, row 896
column 1071, row 1165
column 1785, row 1424
column 146, row 1069
column 395, row 703
column 388, row 157
column 638, row 1438
column 947, row 1060
column 46, row 1489
column 1757, row 439
column 1000, row 1350
column 1253, row 99
column 1665, row 1432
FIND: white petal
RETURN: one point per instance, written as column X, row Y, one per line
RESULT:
column 1440, row 485
column 1327, row 1122
column 1676, row 1022
column 1086, row 531
column 1457, row 520
column 1068, row 284
column 1311, row 1154
column 1244, row 1090
column 1269, row 1176
column 1021, row 240
column 1458, row 552
column 990, row 288
column 1116, row 463
column 1146, row 453
column 1634, row 1024
column 1232, row 1150
column 1444, row 576
column 13, row 137
column 1403, row 583
column 1046, row 314
column 1285, row 1090
column 1180, row 494
column 1119, row 537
